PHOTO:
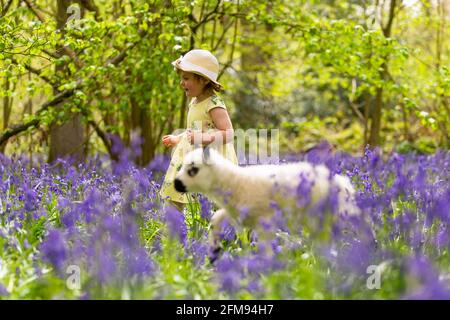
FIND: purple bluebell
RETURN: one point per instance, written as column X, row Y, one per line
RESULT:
column 3, row 291
column 54, row 249
column 176, row 224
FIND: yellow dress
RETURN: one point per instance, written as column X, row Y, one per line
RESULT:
column 198, row 118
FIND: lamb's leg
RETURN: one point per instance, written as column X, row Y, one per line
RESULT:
column 214, row 238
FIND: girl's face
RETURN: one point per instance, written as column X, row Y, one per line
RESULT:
column 192, row 85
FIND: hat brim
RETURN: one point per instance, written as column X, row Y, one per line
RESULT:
column 178, row 64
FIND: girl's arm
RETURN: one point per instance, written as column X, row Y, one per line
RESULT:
column 223, row 124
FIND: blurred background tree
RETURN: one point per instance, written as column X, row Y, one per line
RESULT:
column 353, row 72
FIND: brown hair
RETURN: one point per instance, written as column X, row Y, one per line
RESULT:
column 210, row 84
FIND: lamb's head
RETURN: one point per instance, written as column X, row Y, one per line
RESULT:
column 196, row 172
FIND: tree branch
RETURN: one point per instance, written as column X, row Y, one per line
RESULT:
column 388, row 27
column 6, row 8
column 91, row 6
column 206, row 18
column 230, row 61
column 224, row 32
column 102, row 136
column 42, row 18
column 60, row 97
column 35, row 10
column 50, row 54
column 34, row 71
column 35, row 122
column 209, row 14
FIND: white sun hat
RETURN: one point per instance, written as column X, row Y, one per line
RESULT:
column 201, row 62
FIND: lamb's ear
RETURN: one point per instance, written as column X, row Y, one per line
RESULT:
column 206, row 155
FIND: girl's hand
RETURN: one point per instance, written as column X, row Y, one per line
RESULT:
column 202, row 138
column 193, row 135
column 170, row 140
column 190, row 136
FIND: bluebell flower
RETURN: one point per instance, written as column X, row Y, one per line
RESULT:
column 428, row 284
column 176, row 224
column 139, row 263
column 106, row 266
column 54, row 249
column 205, row 208
column 199, row 251
column 230, row 282
column 3, row 291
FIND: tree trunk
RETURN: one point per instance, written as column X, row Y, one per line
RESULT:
column 148, row 147
column 374, row 138
column 442, row 99
column 7, row 103
column 183, row 111
column 367, row 102
column 141, row 124
column 405, row 115
column 66, row 139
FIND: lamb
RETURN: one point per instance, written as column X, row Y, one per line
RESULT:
column 255, row 189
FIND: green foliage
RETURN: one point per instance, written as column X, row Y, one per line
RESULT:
column 288, row 60
column 305, row 134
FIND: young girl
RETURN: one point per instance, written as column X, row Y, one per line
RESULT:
column 207, row 119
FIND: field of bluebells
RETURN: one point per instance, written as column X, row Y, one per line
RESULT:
column 100, row 231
